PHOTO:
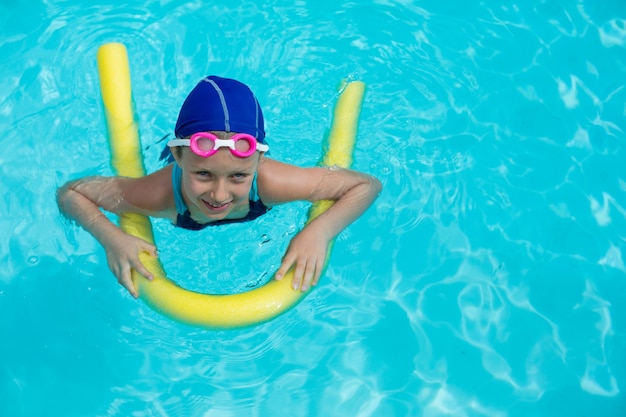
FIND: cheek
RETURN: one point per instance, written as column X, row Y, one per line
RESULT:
column 241, row 191
column 192, row 187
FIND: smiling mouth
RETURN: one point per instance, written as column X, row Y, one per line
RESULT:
column 216, row 207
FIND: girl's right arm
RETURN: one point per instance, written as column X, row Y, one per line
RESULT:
column 81, row 201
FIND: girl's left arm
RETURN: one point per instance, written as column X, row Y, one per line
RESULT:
column 352, row 192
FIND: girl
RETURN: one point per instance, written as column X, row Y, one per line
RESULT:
column 220, row 175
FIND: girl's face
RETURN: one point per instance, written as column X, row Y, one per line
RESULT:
column 217, row 187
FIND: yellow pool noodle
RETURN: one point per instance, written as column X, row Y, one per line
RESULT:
column 161, row 294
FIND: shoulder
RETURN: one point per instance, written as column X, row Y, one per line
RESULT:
column 152, row 194
column 279, row 182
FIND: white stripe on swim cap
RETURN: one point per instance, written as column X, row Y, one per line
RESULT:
column 256, row 114
column 223, row 101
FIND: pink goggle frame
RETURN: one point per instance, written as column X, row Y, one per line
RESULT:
column 205, row 144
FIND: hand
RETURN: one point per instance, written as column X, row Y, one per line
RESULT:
column 307, row 252
column 123, row 254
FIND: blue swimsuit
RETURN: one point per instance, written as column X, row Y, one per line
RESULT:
column 184, row 220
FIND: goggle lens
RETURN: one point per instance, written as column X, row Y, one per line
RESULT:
column 205, row 144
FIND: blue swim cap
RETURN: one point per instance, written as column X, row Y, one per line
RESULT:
column 220, row 104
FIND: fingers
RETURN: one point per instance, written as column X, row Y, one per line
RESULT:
column 299, row 274
column 139, row 267
column 284, row 266
column 136, row 263
column 307, row 269
column 152, row 250
column 124, row 255
column 316, row 277
column 305, row 275
column 308, row 277
column 125, row 281
column 303, row 272
column 123, row 272
column 125, row 276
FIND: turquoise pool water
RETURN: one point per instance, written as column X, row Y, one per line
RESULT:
column 487, row 280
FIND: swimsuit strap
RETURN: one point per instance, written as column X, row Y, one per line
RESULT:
column 177, row 177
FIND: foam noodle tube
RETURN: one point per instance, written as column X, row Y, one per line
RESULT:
column 163, row 295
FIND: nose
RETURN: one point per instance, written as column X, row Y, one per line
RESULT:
column 219, row 194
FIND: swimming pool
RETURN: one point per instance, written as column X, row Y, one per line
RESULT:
column 487, row 280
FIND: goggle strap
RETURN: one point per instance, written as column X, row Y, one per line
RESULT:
column 178, row 142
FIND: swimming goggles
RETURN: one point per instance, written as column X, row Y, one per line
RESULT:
column 206, row 144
